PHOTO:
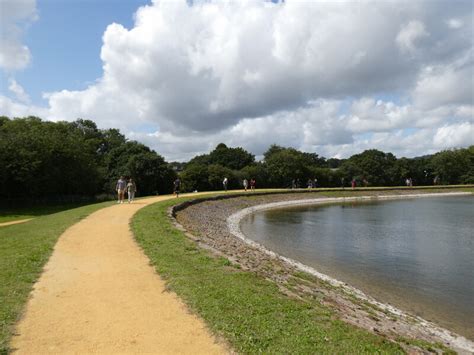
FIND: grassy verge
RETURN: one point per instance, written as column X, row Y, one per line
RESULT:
column 24, row 249
column 245, row 309
column 14, row 214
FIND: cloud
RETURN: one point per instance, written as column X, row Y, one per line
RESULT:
column 409, row 35
column 13, row 108
column 454, row 136
column 18, row 91
column 446, row 84
column 334, row 77
column 454, row 23
column 15, row 17
column 207, row 66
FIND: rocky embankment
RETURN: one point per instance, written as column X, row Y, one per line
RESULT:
column 206, row 223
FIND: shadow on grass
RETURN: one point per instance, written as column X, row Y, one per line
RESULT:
column 10, row 214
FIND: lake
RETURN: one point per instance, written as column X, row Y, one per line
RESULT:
column 417, row 254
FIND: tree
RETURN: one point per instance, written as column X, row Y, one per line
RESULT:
column 285, row 165
column 375, row 166
column 216, row 174
column 232, row 158
column 257, row 171
column 454, row 166
column 132, row 159
column 195, row 177
column 41, row 159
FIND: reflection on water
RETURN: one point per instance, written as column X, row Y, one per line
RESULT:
column 417, row 254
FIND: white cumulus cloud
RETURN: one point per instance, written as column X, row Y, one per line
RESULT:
column 15, row 16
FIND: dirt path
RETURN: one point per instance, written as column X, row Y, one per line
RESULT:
column 98, row 294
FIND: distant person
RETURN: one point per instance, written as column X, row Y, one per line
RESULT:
column 343, row 181
column 365, row 182
column 224, row 183
column 253, row 183
column 410, row 182
column 131, row 189
column 298, row 183
column 310, row 184
column 315, row 183
column 246, row 184
column 177, row 186
column 436, row 180
column 353, row 184
column 120, row 188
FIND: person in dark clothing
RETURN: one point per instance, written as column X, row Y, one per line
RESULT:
column 177, row 185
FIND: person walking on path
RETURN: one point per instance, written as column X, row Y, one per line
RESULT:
column 353, row 183
column 224, row 183
column 365, row 182
column 246, row 184
column 131, row 189
column 177, row 185
column 120, row 188
column 252, row 184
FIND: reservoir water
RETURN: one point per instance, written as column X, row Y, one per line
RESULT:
column 417, row 254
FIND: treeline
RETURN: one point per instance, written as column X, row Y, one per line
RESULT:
column 286, row 167
column 50, row 160
column 41, row 159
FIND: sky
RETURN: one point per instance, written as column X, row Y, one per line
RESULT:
column 331, row 77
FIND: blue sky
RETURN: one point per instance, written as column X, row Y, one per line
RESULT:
column 331, row 77
column 65, row 43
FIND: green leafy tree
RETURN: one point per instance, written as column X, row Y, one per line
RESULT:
column 217, row 173
column 40, row 159
column 454, row 166
column 375, row 166
column 285, row 165
column 232, row 158
column 203, row 159
column 257, row 171
column 195, row 177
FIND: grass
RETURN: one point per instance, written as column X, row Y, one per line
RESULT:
column 245, row 309
column 24, row 250
column 15, row 214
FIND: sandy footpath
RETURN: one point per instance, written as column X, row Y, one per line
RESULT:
column 98, row 294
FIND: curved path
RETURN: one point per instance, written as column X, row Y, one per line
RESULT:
column 98, row 294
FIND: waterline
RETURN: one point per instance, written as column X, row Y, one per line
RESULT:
column 234, row 226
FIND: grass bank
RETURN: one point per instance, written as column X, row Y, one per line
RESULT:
column 14, row 214
column 245, row 309
column 24, row 250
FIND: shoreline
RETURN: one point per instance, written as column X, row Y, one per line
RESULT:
column 234, row 220
column 210, row 232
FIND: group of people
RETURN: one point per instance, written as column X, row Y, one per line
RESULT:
column 245, row 183
column 253, row 184
column 123, row 186
column 311, row 183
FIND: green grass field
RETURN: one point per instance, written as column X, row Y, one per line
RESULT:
column 14, row 214
column 24, row 250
